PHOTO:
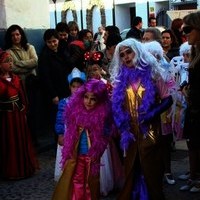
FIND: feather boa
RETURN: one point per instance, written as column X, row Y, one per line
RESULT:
column 94, row 121
column 126, row 77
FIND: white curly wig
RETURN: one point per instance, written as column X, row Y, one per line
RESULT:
column 154, row 48
column 141, row 56
column 185, row 48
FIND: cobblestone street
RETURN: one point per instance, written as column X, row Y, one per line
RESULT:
column 41, row 185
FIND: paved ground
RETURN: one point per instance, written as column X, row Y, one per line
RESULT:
column 41, row 185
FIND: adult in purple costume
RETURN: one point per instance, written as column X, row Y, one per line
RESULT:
column 139, row 97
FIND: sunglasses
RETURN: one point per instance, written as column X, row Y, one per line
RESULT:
column 123, row 53
column 187, row 29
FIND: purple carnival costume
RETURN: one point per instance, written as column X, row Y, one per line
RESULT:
column 139, row 97
column 92, row 128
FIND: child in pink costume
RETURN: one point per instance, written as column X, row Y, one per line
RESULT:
column 88, row 122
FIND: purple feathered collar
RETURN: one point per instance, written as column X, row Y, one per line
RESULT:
column 129, row 76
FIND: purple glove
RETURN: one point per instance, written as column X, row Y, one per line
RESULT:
column 156, row 111
column 145, row 118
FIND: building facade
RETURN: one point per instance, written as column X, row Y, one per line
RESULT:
column 93, row 13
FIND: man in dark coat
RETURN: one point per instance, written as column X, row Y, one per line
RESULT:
column 136, row 30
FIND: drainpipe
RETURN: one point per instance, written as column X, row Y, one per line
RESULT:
column 81, row 13
column 113, row 12
column 55, row 12
column 147, row 12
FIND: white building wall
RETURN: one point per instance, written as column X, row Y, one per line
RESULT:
column 122, row 13
column 141, row 10
column 109, row 16
column 52, row 13
column 27, row 14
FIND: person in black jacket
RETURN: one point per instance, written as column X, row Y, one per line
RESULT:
column 63, row 33
column 135, row 31
column 191, row 28
column 53, row 69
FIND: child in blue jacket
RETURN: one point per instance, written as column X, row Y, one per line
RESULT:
column 75, row 79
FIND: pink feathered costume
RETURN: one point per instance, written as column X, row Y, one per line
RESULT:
column 97, row 124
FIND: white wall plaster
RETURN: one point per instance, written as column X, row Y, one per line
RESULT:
column 27, row 13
